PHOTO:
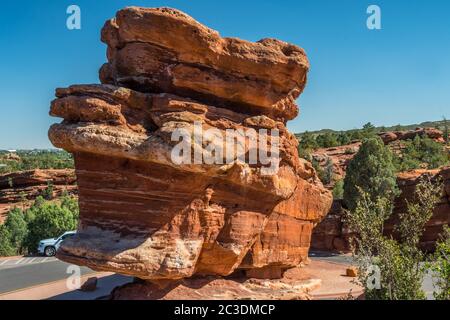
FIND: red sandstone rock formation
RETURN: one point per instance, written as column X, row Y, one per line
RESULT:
column 143, row 215
column 432, row 133
column 332, row 234
column 340, row 157
column 295, row 285
column 27, row 185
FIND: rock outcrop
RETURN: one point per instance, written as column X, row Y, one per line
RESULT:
column 295, row 285
column 339, row 157
column 17, row 188
column 432, row 133
column 147, row 214
column 332, row 234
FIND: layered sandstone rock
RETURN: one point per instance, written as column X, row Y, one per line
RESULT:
column 432, row 133
column 339, row 157
column 147, row 214
column 19, row 187
column 332, row 233
column 165, row 50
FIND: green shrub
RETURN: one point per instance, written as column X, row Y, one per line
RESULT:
column 372, row 171
column 47, row 193
column 13, row 233
column 38, row 159
column 6, row 248
column 421, row 150
column 338, row 190
column 446, row 131
column 22, row 231
column 399, row 262
column 327, row 140
column 343, row 138
column 440, row 266
column 328, row 172
column 50, row 219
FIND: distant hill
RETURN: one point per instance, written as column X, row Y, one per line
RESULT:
column 427, row 124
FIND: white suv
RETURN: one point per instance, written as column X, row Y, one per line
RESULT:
column 48, row 247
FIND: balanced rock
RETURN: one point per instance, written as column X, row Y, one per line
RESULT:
column 147, row 214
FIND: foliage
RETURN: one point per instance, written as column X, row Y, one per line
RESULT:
column 440, row 266
column 36, row 159
column 338, row 190
column 399, row 262
column 421, row 150
column 372, row 171
column 12, row 233
column 6, row 248
column 328, row 172
column 23, row 230
column 343, row 138
column 327, row 140
column 446, row 131
column 48, row 219
column 47, row 193
column 318, row 168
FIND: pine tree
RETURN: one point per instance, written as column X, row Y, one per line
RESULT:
column 371, row 171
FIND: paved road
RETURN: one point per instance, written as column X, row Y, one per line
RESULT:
column 20, row 273
column 427, row 284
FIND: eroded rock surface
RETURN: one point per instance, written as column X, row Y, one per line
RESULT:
column 290, row 287
column 146, row 215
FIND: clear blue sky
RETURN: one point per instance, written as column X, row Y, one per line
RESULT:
column 400, row 74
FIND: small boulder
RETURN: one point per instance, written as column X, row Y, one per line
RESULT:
column 89, row 285
column 351, row 272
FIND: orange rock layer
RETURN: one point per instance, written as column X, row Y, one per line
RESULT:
column 144, row 215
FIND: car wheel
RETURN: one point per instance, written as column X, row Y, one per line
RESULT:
column 50, row 251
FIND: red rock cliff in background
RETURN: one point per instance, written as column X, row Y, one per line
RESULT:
column 143, row 215
column 332, row 234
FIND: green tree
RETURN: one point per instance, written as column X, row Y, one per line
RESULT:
column 343, row 138
column 399, row 262
column 6, row 248
column 307, row 143
column 368, row 129
column 338, row 190
column 327, row 140
column 328, row 172
column 446, row 131
column 440, row 266
column 17, row 227
column 372, row 171
column 49, row 219
column 13, row 233
column 421, row 150
column 48, row 191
